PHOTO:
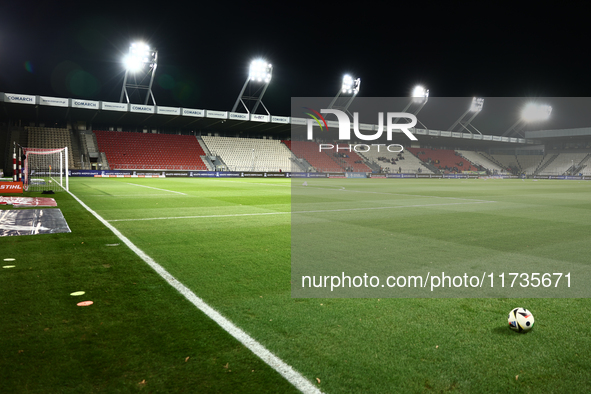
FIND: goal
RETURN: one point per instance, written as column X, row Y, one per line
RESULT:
column 45, row 169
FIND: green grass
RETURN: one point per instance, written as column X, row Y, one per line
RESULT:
column 140, row 328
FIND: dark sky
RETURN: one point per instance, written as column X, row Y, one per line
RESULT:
column 495, row 50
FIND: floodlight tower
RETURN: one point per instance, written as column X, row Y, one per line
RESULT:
column 469, row 115
column 348, row 91
column 259, row 76
column 419, row 96
column 141, row 62
column 531, row 113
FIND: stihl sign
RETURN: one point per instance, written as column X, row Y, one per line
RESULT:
column 11, row 187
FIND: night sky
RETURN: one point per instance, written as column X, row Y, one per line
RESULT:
column 75, row 50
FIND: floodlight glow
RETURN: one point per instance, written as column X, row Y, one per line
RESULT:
column 420, row 92
column 536, row 112
column 477, row 104
column 132, row 63
column 260, row 71
column 139, row 54
column 350, row 85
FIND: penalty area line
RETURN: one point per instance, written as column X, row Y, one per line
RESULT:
column 155, row 188
column 285, row 370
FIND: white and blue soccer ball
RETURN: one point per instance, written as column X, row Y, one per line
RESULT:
column 520, row 320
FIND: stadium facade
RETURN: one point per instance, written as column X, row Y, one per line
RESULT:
column 224, row 143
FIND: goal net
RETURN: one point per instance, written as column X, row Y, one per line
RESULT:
column 45, row 169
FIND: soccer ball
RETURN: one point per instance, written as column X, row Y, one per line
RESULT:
column 520, row 320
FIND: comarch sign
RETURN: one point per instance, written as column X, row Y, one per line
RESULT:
column 19, row 98
column 85, row 104
column 144, row 109
column 193, row 112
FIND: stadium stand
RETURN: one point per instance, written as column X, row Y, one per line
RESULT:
column 509, row 162
column 348, row 159
column 528, row 164
column 480, row 159
column 563, row 164
column 446, row 160
column 248, row 154
column 584, row 166
column 310, row 151
column 126, row 150
column 49, row 137
column 404, row 162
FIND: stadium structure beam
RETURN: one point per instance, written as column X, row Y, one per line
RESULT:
column 141, row 63
column 259, row 77
column 348, row 92
column 468, row 116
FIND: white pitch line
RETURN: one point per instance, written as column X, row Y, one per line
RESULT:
column 285, row 370
column 155, row 188
column 297, row 212
column 126, row 195
column 203, row 216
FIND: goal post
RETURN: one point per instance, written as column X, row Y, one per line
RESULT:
column 45, row 169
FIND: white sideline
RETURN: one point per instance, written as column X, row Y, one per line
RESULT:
column 296, row 212
column 155, row 188
column 291, row 375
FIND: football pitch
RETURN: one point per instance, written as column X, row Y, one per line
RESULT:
column 229, row 243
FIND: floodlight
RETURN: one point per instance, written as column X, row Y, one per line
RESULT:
column 531, row 113
column 350, row 85
column 141, row 61
column 419, row 93
column 468, row 116
column 139, row 55
column 477, row 104
column 535, row 112
column 260, row 72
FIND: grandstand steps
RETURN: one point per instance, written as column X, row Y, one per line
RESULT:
column 519, row 165
column 303, row 163
column 582, row 165
column 219, row 163
column 75, row 140
column 492, row 159
column 203, row 146
column 298, row 165
column 431, row 167
column 545, row 163
column 104, row 163
column 206, row 158
column 375, row 167
column 85, row 140
column 208, row 163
